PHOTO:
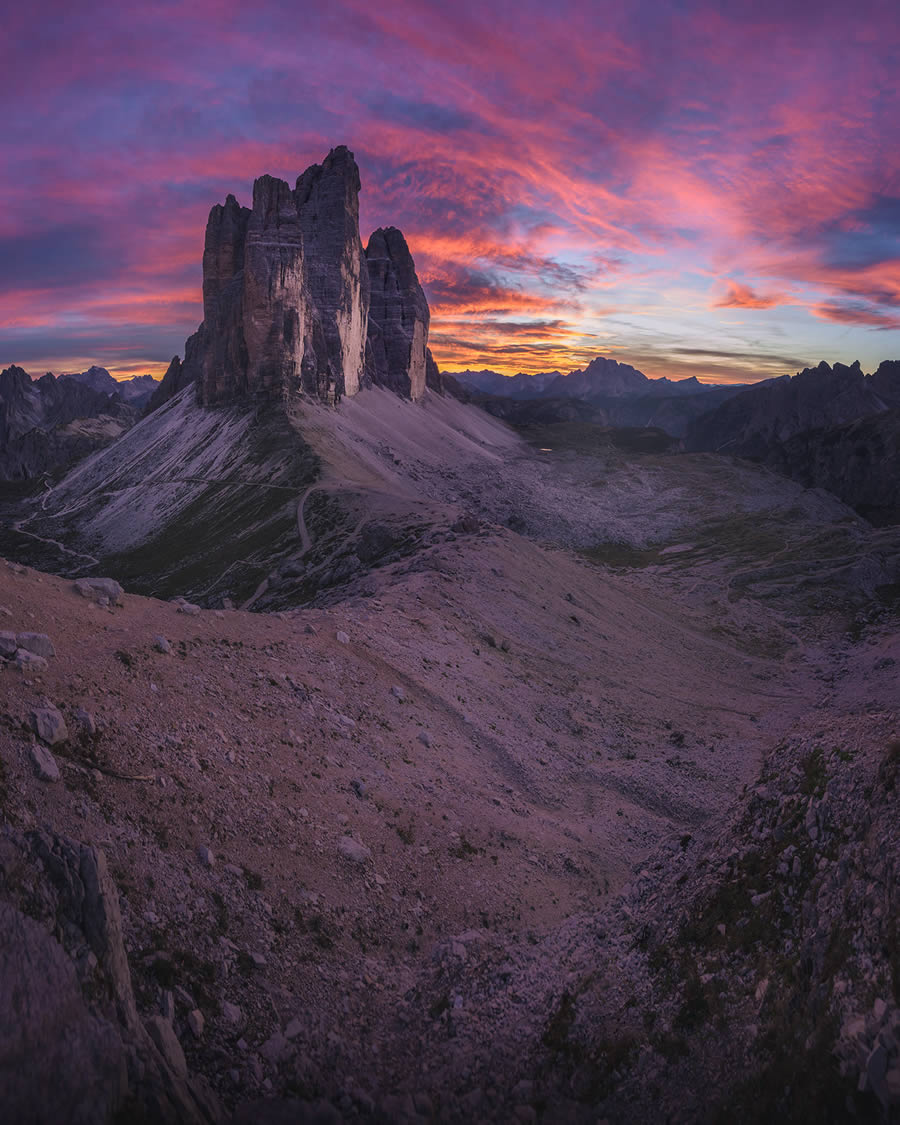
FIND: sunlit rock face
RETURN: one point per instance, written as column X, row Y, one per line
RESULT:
column 398, row 316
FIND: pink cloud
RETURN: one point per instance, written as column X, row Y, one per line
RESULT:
column 851, row 312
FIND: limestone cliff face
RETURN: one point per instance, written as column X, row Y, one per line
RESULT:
column 337, row 280
column 434, row 380
column 398, row 316
column 216, row 355
column 285, row 293
column 286, row 298
column 175, row 379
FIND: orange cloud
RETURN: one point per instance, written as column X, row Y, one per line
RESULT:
column 738, row 296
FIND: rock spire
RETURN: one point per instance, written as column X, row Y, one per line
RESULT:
column 286, row 298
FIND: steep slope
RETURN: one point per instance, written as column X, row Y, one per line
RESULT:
column 859, row 462
column 473, row 740
column 476, row 813
column 189, row 498
column 212, row 502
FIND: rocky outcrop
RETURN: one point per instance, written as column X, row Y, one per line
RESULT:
column 434, row 380
column 336, row 276
column 398, row 317
column 219, row 349
column 885, row 382
column 828, row 427
column 285, row 293
column 54, row 1032
column 26, row 403
column 20, row 404
column 173, row 381
column 77, row 1049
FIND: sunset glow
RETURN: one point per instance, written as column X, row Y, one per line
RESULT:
column 699, row 188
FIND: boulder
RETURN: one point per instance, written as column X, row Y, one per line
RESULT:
column 37, row 643
column 8, row 645
column 163, row 1035
column 49, row 725
column 353, row 850
column 44, row 763
column 97, row 588
column 86, row 721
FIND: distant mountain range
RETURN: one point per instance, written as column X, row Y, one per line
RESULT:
column 602, row 378
column 827, row 427
column 618, row 395
column 49, row 423
column 766, row 414
column 136, row 391
column 831, row 427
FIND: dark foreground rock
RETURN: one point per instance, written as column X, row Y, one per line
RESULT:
column 77, row 1050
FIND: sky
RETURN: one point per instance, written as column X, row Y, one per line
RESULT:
column 695, row 187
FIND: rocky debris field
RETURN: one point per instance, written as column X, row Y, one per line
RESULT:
column 460, row 849
column 491, row 830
